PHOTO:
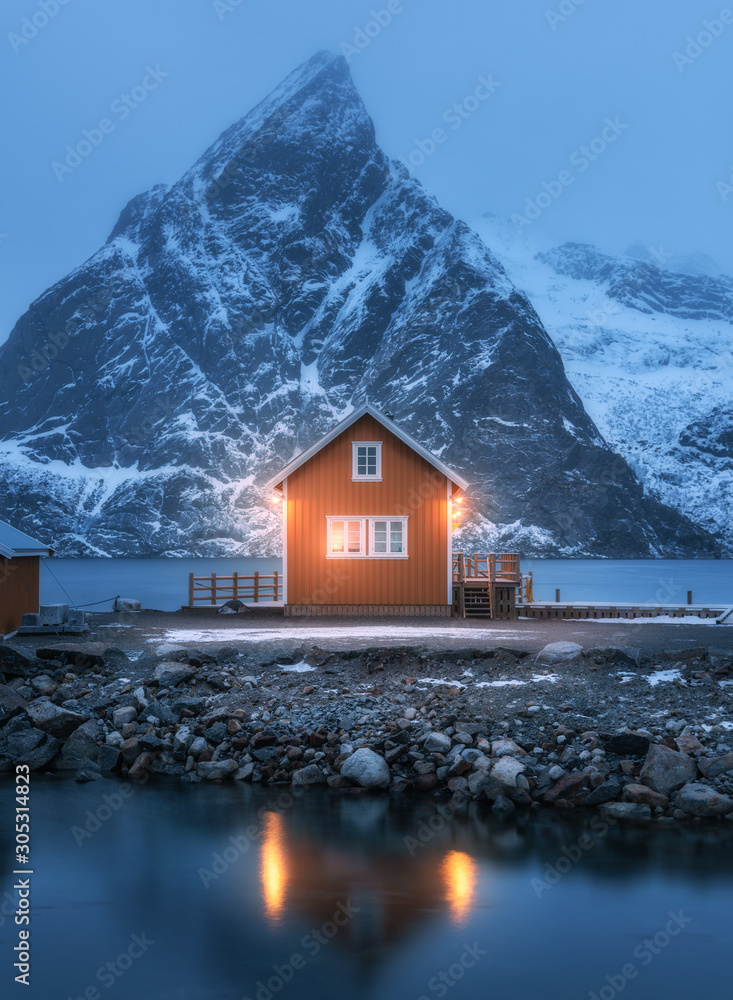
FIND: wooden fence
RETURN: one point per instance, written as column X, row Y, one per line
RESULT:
column 215, row 590
column 493, row 566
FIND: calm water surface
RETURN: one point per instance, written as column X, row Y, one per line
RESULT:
column 162, row 584
column 234, row 897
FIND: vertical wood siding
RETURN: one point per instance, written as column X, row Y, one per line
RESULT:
column 18, row 590
column 410, row 488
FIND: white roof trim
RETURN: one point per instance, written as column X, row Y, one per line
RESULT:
column 390, row 425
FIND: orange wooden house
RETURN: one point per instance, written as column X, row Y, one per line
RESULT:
column 20, row 557
column 367, row 523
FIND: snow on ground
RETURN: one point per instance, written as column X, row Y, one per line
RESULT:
column 378, row 633
column 665, row 677
column 535, row 679
column 296, row 668
column 659, row 620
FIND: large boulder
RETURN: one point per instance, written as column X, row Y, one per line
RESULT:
column 168, row 673
column 713, row 768
column 701, row 800
column 630, row 655
column 504, row 747
column 11, row 703
column 311, row 774
column 121, row 716
column 635, row 811
column 79, row 655
column 437, row 743
column 367, row 769
column 505, row 771
column 216, row 770
column 29, row 746
column 13, row 663
column 559, row 652
column 645, row 795
column 665, row 770
column 54, row 719
column 81, row 746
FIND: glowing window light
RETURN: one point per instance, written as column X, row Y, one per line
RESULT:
column 460, row 873
column 273, row 867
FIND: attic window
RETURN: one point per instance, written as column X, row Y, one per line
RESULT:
column 366, row 461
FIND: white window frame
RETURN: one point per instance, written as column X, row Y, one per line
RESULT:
column 388, row 555
column 355, row 477
column 330, row 554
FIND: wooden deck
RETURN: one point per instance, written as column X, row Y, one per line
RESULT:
column 485, row 584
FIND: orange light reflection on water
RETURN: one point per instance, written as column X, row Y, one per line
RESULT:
column 460, row 874
column 273, row 867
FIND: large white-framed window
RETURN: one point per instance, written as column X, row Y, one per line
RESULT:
column 366, row 537
column 346, row 537
column 388, row 537
column 366, row 461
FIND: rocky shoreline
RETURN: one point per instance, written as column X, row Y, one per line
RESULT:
column 640, row 738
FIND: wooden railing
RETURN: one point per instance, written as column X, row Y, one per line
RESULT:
column 215, row 589
column 501, row 567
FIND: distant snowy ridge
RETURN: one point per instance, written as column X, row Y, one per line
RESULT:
column 650, row 352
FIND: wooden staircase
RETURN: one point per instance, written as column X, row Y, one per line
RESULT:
column 477, row 602
column 485, row 584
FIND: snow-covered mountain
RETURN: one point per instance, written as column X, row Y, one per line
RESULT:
column 230, row 319
column 650, row 352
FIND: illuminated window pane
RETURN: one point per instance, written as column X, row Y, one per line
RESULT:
column 354, row 536
column 337, row 536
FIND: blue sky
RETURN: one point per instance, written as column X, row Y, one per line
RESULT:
column 560, row 70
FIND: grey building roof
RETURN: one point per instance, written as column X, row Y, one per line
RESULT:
column 14, row 542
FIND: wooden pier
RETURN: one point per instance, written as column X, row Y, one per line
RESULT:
column 578, row 610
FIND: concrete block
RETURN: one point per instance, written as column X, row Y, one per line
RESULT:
column 53, row 614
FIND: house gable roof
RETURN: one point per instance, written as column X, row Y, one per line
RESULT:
column 344, row 425
column 14, row 542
